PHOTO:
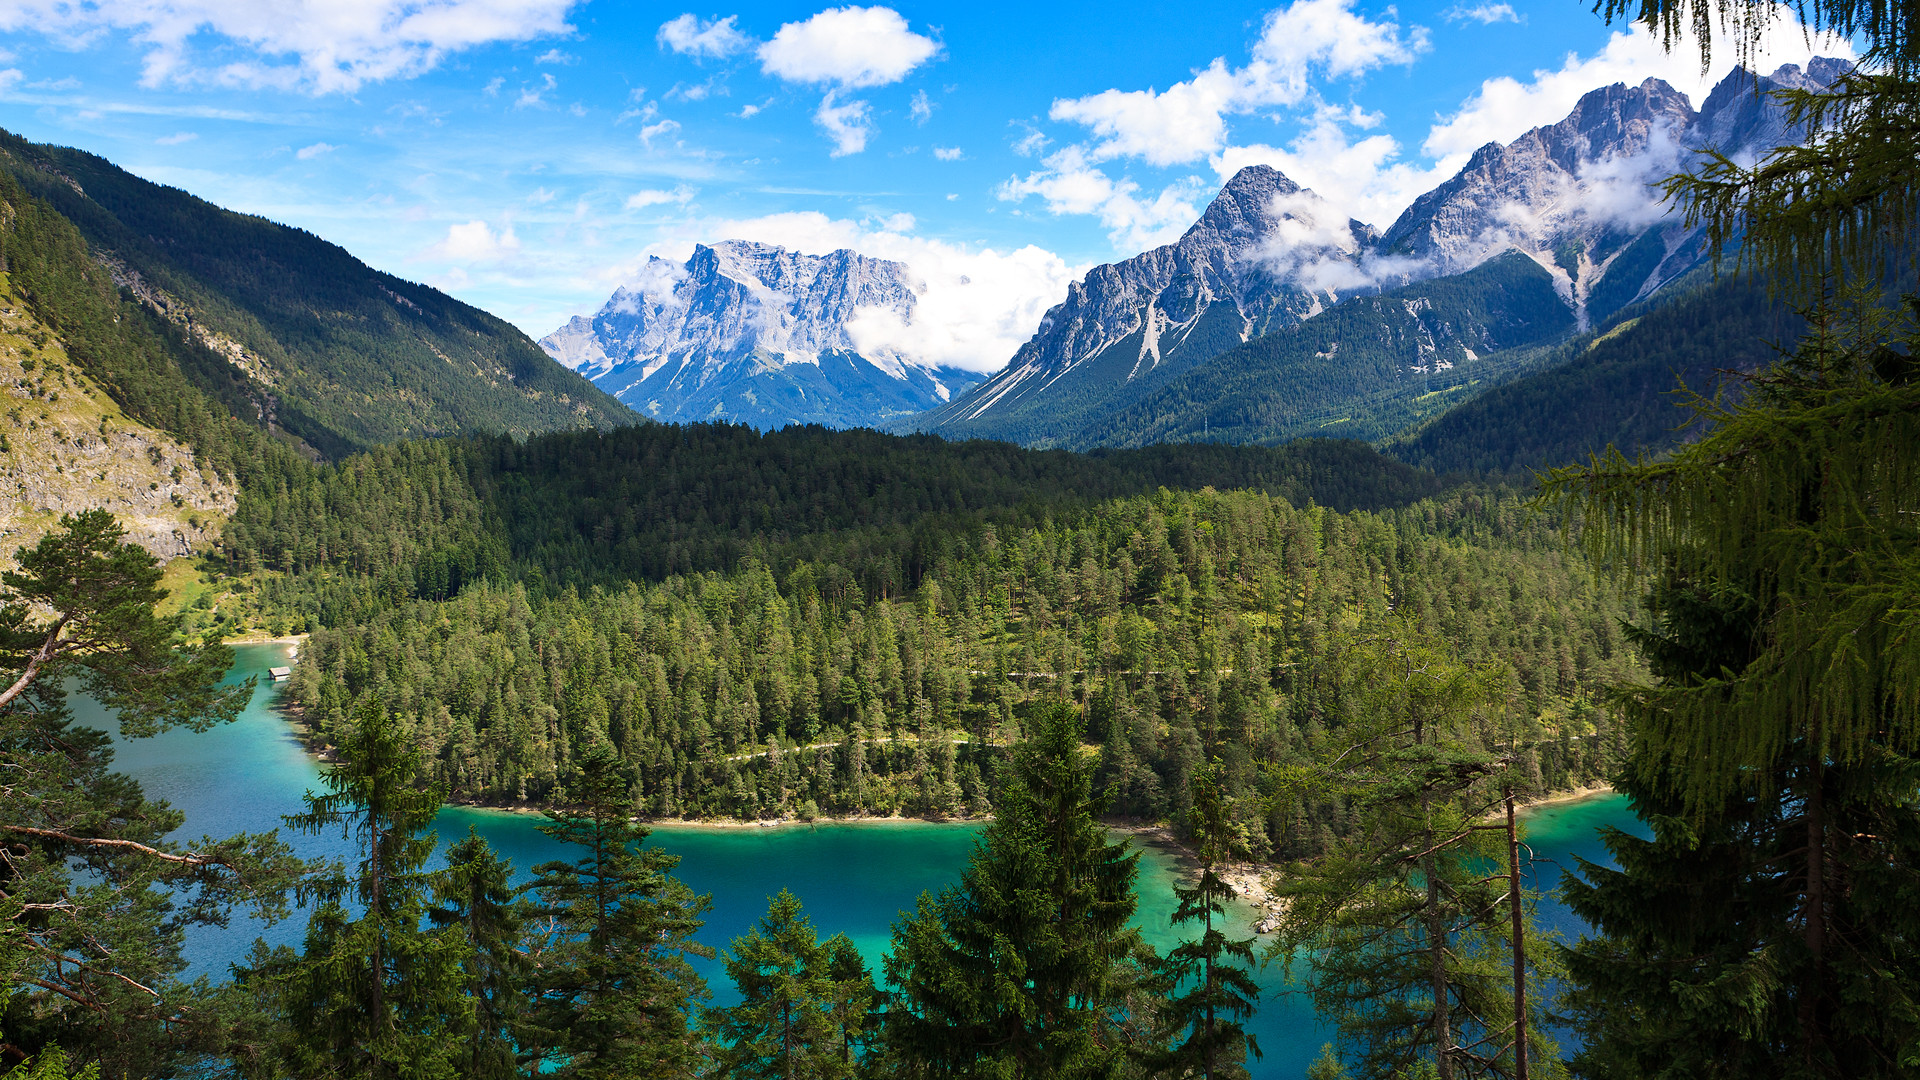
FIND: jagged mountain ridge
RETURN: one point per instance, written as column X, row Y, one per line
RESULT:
column 756, row 334
column 1572, row 196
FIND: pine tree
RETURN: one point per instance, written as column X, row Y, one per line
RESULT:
column 377, row 995
column 1762, row 931
column 613, row 985
column 802, row 1009
column 1020, row 969
column 1404, row 932
column 476, row 899
column 1216, row 1043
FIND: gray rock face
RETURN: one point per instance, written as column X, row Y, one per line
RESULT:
column 1266, row 254
column 756, row 334
column 1577, row 197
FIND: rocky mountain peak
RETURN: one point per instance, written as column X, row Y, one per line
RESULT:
column 725, row 334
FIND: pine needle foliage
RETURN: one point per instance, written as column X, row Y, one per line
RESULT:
column 1402, row 926
column 1213, row 1010
column 613, row 987
column 476, row 899
column 1022, row 970
column 804, row 1009
column 378, row 995
column 1806, row 495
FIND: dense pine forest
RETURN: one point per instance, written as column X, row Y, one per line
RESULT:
column 1188, row 625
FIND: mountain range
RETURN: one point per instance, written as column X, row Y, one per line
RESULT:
column 759, row 335
column 1231, row 332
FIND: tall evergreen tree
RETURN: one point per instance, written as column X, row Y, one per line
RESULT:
column 1213, row 1012
column 613, row 985
column 1763, row 931
column 1022, row 968
column 377, row 995
column 802, row 1007
column 1404, row 932
column 476, row 899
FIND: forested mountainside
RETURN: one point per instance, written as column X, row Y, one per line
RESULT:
column 66, row 446
column 643, row 503
column 293, row 333
column 1620, row 387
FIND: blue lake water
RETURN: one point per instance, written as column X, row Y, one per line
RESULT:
column 852, row 878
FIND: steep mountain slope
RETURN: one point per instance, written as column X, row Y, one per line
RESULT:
column 320, row 345
column 65, row 446
column 1619, row 387
column 1266, row 254
column 758, row 335
column 1353, row 371
column 1156, row 347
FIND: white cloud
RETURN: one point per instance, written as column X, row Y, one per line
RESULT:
column 68, row 83
column 540, row 197
column 555, row 56
column 307, row 153
column 315, row 46
column 177, row 138
column 476, row 242
column 688, row 35
column 948, row 153
column 531, row 97
column 920, row 108
column 850, row 47
column 848, row 124
column 680, row 195
column 748, row 112
column 653, row 131
column 492, row 89
column 9, row 79
column 1486, row 14
column 1187, row 121
column 1071, row 185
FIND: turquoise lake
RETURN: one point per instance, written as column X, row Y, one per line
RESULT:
column 852, row 878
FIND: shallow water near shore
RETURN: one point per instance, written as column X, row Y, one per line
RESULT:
column 853, row 878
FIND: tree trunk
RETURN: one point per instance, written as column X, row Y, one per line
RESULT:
column 1519, row 945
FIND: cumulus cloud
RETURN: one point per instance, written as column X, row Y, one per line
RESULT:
column 1070, row 184
column 948, row 153
column 315, row 46
column 977, row 307
column 847, row 123
column 681, row 195
column 844, row 49
column 1188, row 120
column 851, row 47
column 476, row 242
column 307, row 153
column 689, row 35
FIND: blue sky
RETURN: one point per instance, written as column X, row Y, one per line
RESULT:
column 529, row 155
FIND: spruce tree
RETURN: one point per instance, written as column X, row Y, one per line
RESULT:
column 1212, row 1013
column 803, row 1007
column 613, row 987
column 1763, row 930
column 1023, row 968
column 373, row 993
column 476, row 899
